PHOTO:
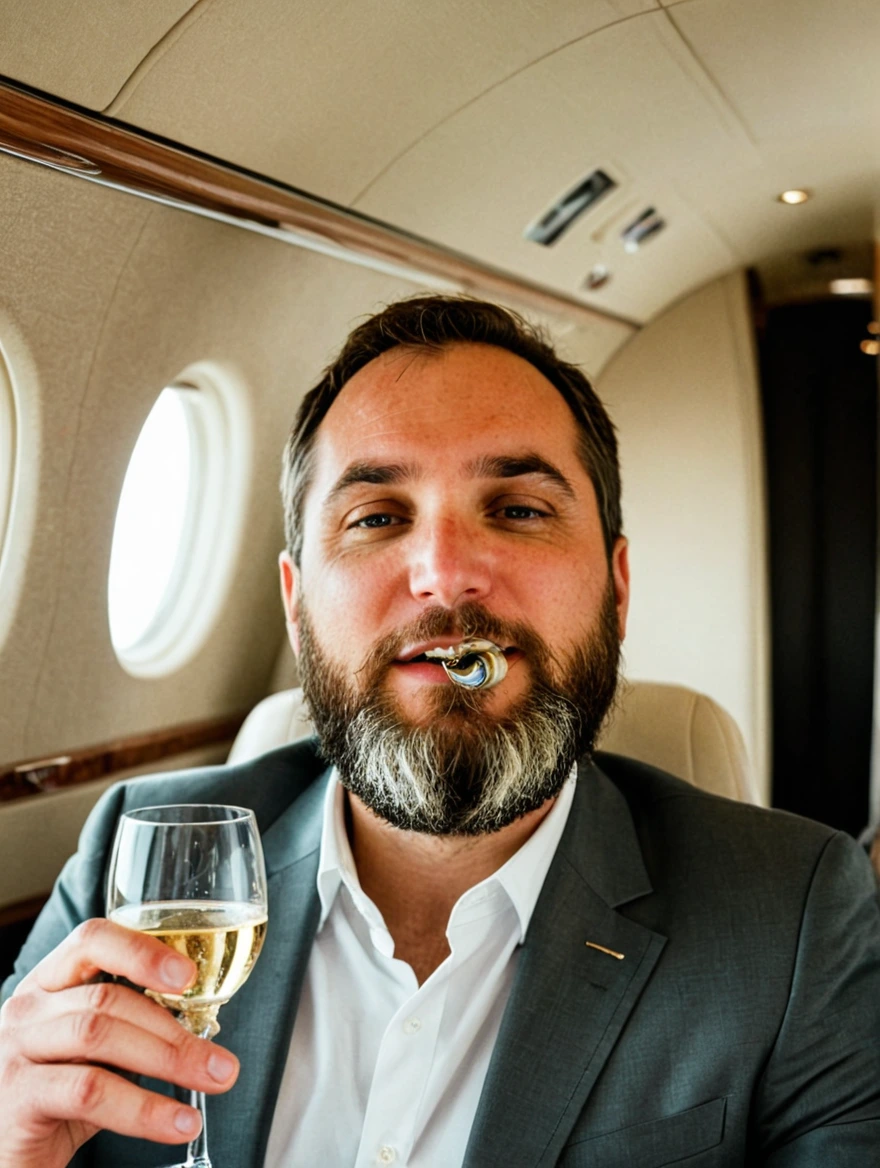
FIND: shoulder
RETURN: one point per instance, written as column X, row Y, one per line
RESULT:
column 267, row 785
column 654, row 794
column 684, row 831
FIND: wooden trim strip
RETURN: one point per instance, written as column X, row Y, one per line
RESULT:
column 43, row 129
column 34, row 776
column 22, row 910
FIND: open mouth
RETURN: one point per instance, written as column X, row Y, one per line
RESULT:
column 511, row 653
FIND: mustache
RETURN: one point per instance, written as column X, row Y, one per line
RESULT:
column 467, row 620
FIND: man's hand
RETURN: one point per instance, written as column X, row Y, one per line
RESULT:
column 60, row 1029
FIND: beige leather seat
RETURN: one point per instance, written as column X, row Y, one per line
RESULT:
column 668, row 726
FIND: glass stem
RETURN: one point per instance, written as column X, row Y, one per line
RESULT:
column 197, row 1153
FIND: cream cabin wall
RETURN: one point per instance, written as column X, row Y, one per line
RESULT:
column 684, row 394
column 104, row 298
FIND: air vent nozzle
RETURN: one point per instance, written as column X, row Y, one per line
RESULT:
column 641, row 229
column 563, row 214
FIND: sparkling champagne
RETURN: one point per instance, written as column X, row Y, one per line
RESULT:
column 223, row 939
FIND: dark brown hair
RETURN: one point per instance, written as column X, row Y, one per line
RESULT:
column 432, row 323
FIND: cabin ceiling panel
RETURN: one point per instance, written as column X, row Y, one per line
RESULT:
column 744, row 206
column 791, row 68
column 325, row 97
column 82, row 52
column 635, row 7
column 478, row 180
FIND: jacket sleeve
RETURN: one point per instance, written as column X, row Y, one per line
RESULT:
column 79, row 890
column 78, row 895
column 817, row 1102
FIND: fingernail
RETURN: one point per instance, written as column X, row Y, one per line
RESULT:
column 176, row 971
column 220, row 1066
column 187, row 1121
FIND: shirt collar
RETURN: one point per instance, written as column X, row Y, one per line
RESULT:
column 521, row 877
column 335, row 862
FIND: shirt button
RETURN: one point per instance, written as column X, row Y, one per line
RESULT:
column 387, row 1154
column 411, row 1026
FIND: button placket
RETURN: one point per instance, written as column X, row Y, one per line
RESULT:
column 403, row 1070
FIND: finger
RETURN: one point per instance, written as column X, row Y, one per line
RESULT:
column 98, row 945
column 92, row 1095
column 32, row 1006
column 93, row 1033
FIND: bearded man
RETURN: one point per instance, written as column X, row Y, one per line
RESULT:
column 486, row 947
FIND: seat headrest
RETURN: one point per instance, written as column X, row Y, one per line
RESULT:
column 668, row 726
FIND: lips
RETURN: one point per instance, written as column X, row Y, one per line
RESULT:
column 415, row 654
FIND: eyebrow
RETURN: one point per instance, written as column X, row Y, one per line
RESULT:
column 378, row 473
column 499, row 466
column 505, row 466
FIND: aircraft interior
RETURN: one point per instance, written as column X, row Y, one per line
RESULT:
column 198, row 198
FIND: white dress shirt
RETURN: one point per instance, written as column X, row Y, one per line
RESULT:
column 382, row 1070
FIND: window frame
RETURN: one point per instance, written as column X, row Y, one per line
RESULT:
column 215, row 402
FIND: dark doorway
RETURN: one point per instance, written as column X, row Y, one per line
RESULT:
column 820, row 413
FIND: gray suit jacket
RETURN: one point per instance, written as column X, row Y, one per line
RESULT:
column 742, row 1026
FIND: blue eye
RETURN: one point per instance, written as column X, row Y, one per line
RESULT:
column 521, row 512
column 380, row 519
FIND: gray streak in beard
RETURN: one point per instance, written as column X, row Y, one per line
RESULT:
column 444, row 781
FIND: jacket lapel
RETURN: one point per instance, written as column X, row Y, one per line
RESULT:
column 569, row 1002
column 258, row 1022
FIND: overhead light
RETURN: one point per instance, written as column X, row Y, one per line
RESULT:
column 852, row 287
column 597, row 277
column 874, row 328
column 872, row 348
column 793, row 197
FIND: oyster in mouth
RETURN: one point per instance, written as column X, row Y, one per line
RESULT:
column 474, row 664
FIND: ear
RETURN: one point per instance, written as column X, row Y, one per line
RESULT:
column 289, row 597
column 620, row 575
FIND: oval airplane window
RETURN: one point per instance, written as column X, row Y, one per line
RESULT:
column 7, row 449
column 20, row 459
column 178, row 522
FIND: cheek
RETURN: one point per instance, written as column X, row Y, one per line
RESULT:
column 565, row 595
column 343, row 598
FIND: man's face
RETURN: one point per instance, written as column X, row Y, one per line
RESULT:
column 448, row 500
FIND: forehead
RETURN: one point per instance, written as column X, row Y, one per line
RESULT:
column 450, row 402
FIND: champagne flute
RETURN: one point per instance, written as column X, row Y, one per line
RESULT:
column 193, row 876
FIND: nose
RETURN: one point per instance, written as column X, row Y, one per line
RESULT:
column 449, row 564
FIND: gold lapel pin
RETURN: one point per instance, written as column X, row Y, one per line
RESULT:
column 602, row 949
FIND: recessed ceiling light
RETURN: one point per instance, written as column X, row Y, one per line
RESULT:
column 852, row 287
column 793, row 197
column 872, row 348
column 874, row 328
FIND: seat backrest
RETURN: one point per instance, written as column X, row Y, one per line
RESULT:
column 668, row 726
column 684, row 732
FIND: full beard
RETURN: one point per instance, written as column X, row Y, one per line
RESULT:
column 464, row 772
